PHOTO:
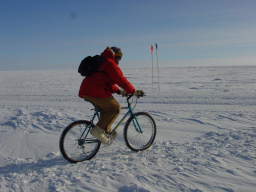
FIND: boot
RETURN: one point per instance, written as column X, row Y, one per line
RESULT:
column 100, row 134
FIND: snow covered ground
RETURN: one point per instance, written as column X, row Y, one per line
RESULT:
column 206, row 140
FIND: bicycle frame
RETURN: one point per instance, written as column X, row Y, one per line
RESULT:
column 76, row 135
column 128, row 113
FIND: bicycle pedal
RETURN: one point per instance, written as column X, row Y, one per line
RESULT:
column 112, row 136
column 110, row 141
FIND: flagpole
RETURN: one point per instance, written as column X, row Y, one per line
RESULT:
column 152, row 60
column 158, row 81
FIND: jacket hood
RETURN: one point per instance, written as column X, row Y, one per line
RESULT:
column 108, row 53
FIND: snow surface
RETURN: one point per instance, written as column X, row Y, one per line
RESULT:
column 206, row 140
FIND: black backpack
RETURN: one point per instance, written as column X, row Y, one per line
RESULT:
column 90, row 65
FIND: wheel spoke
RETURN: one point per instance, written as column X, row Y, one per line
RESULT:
column 76, row 144
column 140, row 131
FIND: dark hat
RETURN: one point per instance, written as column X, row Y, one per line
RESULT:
column 117, row 51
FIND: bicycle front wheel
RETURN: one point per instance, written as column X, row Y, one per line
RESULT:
column 77, row 144
column 140, row 131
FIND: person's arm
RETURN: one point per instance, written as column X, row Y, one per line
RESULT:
column 118, row 77
column 115, row 89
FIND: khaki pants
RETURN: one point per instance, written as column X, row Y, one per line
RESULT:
column 110, row 109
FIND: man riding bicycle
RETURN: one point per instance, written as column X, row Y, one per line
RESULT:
column 99, row 87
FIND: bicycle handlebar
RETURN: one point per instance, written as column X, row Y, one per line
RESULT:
column 128, row 97
column 131, row 95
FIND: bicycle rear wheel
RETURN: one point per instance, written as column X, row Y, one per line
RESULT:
column 140, row 131
column 77, row 144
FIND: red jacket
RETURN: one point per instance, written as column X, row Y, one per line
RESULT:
column 102, row 84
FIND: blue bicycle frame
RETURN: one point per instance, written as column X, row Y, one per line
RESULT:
column 129, row 112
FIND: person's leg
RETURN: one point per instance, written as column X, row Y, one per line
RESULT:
column 110, row 109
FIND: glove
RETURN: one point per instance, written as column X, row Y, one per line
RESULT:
column 139, row 93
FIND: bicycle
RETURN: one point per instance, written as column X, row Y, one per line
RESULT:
column 77, row 144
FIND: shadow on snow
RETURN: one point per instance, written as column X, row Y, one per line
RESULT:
column 32, row 166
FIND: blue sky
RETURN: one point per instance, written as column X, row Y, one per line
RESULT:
column 57, row 34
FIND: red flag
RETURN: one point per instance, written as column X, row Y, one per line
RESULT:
column 151, row 49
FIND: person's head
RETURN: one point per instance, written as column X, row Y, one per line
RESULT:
column 117, row 53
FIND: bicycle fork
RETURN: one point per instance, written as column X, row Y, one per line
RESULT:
column 137, row 125
column 135, row 120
